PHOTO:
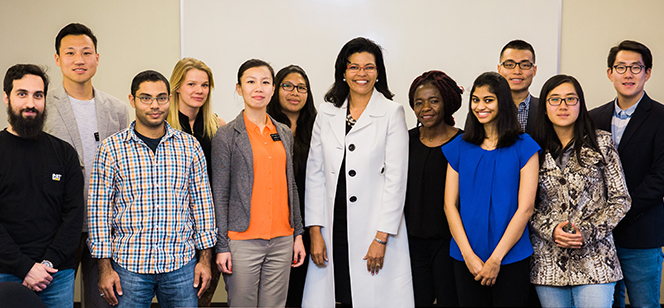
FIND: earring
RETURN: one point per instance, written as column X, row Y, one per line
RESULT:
column 377, row 79
column 344, row 79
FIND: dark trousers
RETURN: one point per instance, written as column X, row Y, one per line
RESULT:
column 511, row 288
column 298, row 276
column 206, row 298
column 433, row 272
column 89, row 289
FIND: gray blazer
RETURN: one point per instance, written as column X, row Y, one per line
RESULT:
column 233, row 177
column 112, row 116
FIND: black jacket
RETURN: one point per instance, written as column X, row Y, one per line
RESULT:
column 641, row 151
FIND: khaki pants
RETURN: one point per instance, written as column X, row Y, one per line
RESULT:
column 261, row 270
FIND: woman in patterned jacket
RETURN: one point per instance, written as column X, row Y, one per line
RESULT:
column 582, row 196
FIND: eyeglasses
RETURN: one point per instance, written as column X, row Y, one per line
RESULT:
column 354, row 68
column 524, row 65
column 621, row 69
column 147, row 100
column 288, row 87
column 569, row 101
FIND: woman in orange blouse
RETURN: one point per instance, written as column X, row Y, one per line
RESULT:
column 255, row 196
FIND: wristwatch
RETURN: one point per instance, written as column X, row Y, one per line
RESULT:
column 47, row 263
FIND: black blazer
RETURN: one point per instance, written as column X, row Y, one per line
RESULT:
column 641, row 151
column 532, row 115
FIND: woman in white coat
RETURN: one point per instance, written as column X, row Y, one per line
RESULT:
column 355, row 191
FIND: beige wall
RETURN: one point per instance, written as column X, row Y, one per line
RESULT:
column 138, row 35
column 591, row 27
column 133, row 36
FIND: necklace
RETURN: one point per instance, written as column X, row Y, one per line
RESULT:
column 349, row 119
column 489, row 145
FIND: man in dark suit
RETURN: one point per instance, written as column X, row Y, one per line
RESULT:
column 636, row 123
column 517, row 65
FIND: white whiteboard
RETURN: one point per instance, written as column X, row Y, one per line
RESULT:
column 462, row 38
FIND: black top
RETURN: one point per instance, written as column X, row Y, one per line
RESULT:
column 41, row 203
column 427, row 168
column 204, row 141
column 342, row 289
column 152, row 143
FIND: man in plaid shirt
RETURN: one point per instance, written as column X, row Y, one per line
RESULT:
column 150, row 207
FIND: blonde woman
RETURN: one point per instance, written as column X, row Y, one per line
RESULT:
column 191, row 112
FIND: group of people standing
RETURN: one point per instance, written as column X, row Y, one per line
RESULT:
column 537, row 211
column 342, row 206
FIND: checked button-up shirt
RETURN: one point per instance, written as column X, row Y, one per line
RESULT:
column 150, row 211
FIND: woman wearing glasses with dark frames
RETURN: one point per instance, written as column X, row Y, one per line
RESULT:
column 582, row 196
column 293, row 105
column 356, row 185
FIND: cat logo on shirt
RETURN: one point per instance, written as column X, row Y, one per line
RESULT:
column 56, row 177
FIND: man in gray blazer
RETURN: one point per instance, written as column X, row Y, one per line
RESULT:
column 517, row 65
column 82, row 116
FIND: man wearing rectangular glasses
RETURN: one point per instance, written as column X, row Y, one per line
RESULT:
column 517, row 65
column 150, row 207
column 637, row 125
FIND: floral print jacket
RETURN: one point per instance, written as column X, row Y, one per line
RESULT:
column 594, row 196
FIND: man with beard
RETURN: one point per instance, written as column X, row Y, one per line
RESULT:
column 41, row 194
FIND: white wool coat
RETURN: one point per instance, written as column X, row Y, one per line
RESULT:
column 377, row 150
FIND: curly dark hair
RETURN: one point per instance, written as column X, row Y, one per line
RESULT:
column 448, row 88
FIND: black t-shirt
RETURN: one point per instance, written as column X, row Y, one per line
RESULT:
column 152, row 143
column 41, row 202
column 425, row 193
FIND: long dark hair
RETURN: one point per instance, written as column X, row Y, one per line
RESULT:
column 584, row 128
column 507, row 123
column 339, row 90
column 448, row 88
column 305, row 122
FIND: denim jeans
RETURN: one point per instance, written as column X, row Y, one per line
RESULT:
column 642, row 272
column 173, row 289
column 59, row 293
column 587, row 295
